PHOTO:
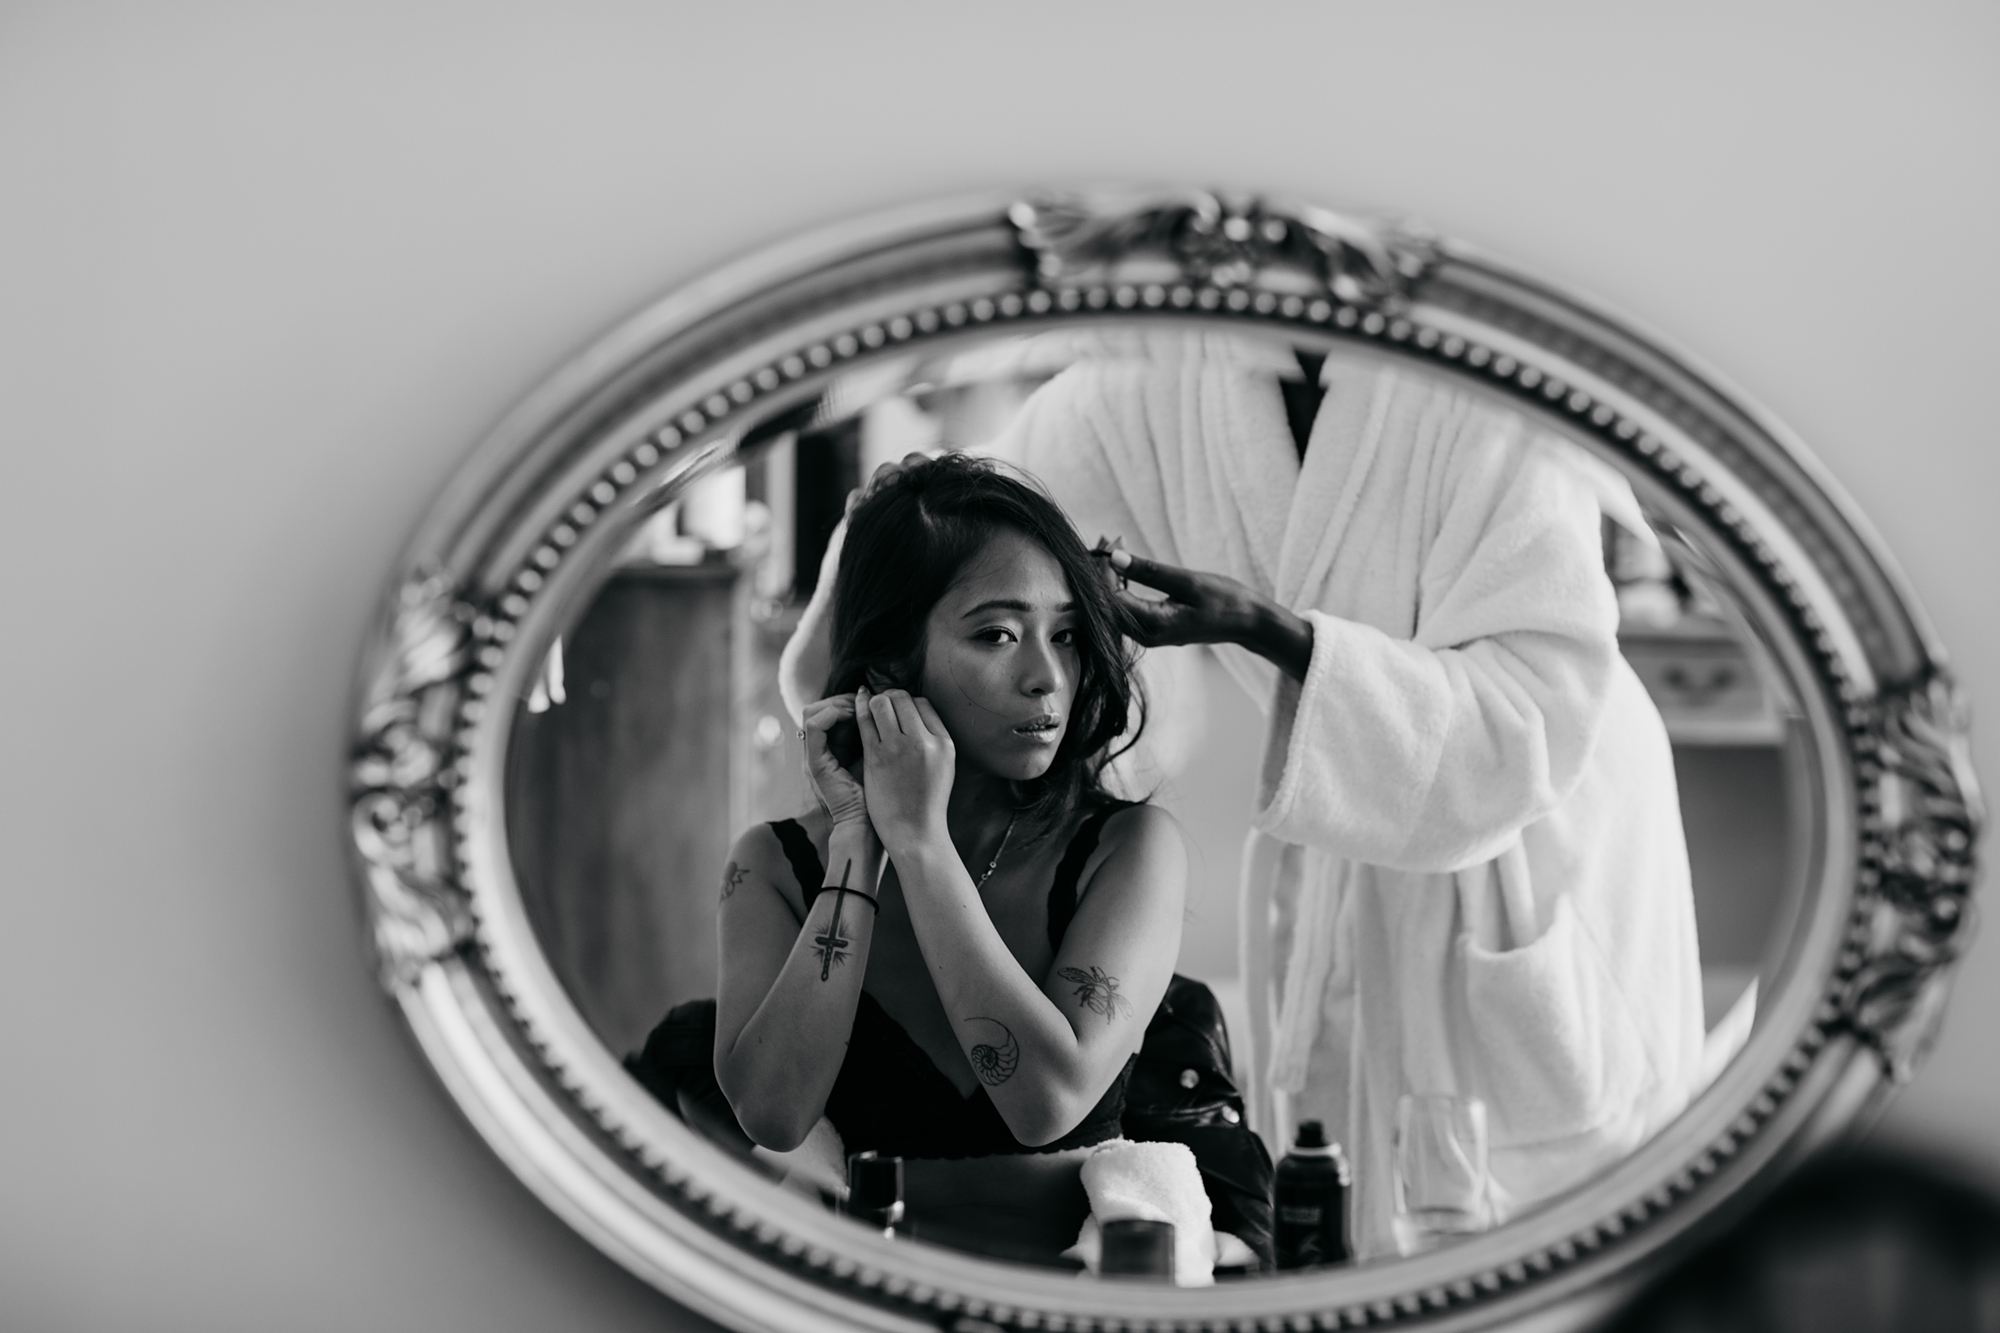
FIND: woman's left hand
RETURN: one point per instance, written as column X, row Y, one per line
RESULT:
column 907, row 763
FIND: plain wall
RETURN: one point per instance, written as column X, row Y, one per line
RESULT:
column 267, row 272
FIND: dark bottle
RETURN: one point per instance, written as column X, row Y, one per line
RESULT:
column 1311, row 1191
column 1137, row 1248
column 875, row 1190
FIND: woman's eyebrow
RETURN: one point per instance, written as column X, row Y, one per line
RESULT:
column 1012, row 604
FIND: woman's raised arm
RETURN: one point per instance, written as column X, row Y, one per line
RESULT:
column 1046, row 1052
column 791, row 973
column 789, row 988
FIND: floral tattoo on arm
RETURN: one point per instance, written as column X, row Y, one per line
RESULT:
column 1097, row 991
column 733, row 876
column 996, row 1064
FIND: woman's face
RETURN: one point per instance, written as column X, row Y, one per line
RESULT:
column 1001, row 662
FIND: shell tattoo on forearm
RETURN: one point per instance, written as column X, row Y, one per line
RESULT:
column 996, row 1064
column 1097, row 991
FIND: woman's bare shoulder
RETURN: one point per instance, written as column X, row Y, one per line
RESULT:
column 1141, row 824
column 756, row 850
column 760, row 849
column 1144, row 834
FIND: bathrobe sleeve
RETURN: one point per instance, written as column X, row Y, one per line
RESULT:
column 1433, row 752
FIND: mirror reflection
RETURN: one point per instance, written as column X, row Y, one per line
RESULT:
column 1163, row 801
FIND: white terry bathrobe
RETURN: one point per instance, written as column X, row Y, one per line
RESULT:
column 1468, row 872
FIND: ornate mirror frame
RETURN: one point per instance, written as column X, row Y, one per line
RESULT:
column 528, row 526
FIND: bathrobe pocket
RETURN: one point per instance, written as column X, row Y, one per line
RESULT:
column 1551, row 1036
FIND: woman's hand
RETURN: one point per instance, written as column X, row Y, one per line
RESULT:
column 839, row 790
column 907, row 764
column 1208, row 608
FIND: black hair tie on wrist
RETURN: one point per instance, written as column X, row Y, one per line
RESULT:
column 841, row 888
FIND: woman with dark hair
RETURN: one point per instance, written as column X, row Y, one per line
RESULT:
column 954, row 958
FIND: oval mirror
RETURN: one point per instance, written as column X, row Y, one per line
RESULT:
column 1420, row 793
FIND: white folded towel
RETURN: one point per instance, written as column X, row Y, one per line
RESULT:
column 1155, row 1182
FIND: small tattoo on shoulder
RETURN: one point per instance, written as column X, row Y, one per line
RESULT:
column 1097, row 991
column 996, row 1064
column 733, row 875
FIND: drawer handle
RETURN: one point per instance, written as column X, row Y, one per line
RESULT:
column 1682, row 681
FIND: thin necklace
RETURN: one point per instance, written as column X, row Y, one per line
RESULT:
column 996, row 854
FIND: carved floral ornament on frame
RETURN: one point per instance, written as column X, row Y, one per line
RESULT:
column 541, row 513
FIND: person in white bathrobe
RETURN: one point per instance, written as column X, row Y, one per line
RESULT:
column 1468, row 873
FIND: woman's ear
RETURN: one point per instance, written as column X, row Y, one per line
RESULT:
column 906, row 674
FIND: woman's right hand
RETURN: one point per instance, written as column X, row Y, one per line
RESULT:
column 839, row 789
column 1206, row 608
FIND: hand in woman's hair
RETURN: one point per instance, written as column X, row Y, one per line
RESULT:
column 908, row 761
column 839, row 789
column 1198, row 608
column 1205, row 608
column 881, row 478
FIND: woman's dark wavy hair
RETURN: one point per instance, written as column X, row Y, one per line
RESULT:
column 910, row 540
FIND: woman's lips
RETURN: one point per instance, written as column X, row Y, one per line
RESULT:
column 1042, row 730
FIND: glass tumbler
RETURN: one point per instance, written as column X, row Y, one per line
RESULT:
column 1441, row 1178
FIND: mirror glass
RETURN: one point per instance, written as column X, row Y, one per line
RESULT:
column 1531, row 835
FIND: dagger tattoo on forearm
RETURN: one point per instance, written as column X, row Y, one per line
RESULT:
column 832, row 945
